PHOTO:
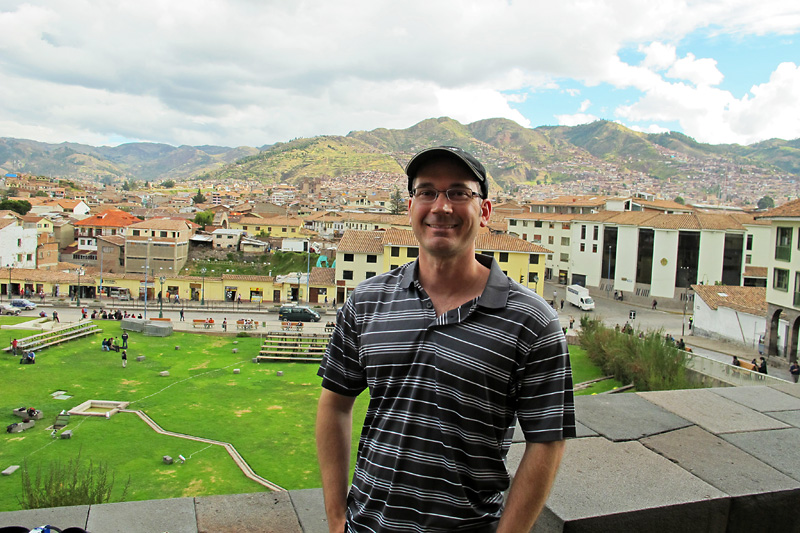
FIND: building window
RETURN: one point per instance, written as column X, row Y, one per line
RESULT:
column 372, row 259
column 748, row 259
column 564, row 258
column 395, row 251
column 783, row 244
column 537, row 238
column 512, row 222
column 595, row 232
column 162, row 234
column 780, row 280
column 537, row 224
column 348, row 258
column 796, row 289
column 583, row 247
column 488, row 254
column 533, row 259
column 136, row 233
column 347, row 274
column 412, row 252
column 503, row 257
column 583, row 231
column 750, row 242
column 594, row 248
column 370, row 275
column 565, row 225
column 564, row 241
column 550, row 239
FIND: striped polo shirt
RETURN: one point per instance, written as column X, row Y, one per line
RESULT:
column 445, row 393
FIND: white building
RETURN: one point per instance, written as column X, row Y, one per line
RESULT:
column 17, row 244
column 734, row 314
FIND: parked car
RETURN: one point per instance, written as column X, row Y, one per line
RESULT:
column 298, row 313
column 8, row 309
column 22, row 303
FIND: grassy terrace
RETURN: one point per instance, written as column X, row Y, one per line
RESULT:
column 268, row 418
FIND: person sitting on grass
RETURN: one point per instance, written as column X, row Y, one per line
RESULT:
column 115, row 344
column 104, row 345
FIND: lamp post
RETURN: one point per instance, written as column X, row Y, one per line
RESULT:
column 78, row 294
column 608, row 287
column 146, row 266
column 203, row 293
column 308, row 271
column 9, row 283
column 161, row 299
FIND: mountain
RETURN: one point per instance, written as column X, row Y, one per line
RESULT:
column 511, row 153
column 143, row 161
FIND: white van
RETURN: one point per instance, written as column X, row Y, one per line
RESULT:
column 579, row 297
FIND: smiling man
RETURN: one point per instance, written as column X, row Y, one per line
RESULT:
column 452, row 352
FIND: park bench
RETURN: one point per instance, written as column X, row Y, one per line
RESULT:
column 55, row 336
column 162, row 319
column 748, row 366
column 291, row 326
column 201, row 322
column 294, row 346
column 242, row 324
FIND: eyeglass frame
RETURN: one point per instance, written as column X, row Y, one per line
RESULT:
column 446, row 194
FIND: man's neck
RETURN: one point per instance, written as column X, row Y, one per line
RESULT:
column 451, row 282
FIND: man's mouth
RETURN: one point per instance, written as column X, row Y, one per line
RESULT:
column 441, row 226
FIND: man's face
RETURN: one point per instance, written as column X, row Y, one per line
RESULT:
column 443, row 228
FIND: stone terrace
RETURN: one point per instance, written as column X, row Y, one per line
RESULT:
column 722, row 459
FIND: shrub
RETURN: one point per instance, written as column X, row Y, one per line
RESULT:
column 70, row 483
column 649, row 362
column 242, row 334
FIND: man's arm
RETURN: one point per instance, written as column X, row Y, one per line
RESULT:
column 334, row 434
column 531, row 486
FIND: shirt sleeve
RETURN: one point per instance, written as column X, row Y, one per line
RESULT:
column 341, row 370
column 545, row 408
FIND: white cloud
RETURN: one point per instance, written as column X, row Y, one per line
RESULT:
column 245, row 72
column 575, row 119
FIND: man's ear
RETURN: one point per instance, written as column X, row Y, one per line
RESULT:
column 486, row 212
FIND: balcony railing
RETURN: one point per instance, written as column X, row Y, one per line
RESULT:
column 783, row 253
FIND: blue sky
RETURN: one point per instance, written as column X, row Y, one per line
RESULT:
column 238, row 72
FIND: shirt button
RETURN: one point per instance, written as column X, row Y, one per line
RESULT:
column 428, row 305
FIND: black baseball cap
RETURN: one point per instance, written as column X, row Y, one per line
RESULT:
column 452, row 152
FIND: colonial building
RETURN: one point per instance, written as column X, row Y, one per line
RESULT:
column 159, row 244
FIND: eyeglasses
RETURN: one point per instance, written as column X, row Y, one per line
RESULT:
column 427, row 195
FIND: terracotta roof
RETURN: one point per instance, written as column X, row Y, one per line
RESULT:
column 551, row 217
column 756, row 272
column 751, row 300
column 789, row 209
column 677, row 221
column 483, row 241
column 359, row 241
column 662, row 205
column 163, row 223
column 585, row 201
column 114, row 218
column 117, row 240
column 323, row 276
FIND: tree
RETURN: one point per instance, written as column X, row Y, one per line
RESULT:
column 680, row 200
column 199, row 198
column 397, row 204
column 766, row 202
column 40, row 194
column 18, row 206
column 204, row 218
column 129, row 185
column 168, row 184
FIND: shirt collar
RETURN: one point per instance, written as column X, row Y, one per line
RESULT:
column 495, row 294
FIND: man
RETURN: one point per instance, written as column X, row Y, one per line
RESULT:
column 125, row 340
column 794, row 370
column 14, row 345
column 452, row 352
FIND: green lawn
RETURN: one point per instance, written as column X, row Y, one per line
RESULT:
column 268, row 418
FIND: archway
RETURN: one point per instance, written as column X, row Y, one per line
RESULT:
column 772, row 332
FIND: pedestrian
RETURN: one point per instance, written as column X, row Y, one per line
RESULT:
column 571, row 322
column 125, row 339
column 115, row 344
column 14, row 345
column 562, row 304
column 182, row 318
column 655, row 304
column 691, row 321
column 104, row 345
column 794, row 370
column 177, row 300
column 460, row 352
column 762, row 367
column 124, row 358
column 735, row 361
column 225, row 324
column 55, row 317
column 239, row 299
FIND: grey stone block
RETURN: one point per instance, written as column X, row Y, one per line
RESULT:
column 140, row 358
column 164, row 373
column 10, row 470
column 157, row 329
column 621, row 417
column 711, row 411
column 62, row 517
column 790, row 417
column 777, row 448
column 133, row 324
column 236, row 370
column 66, row 434
column 175, row 516
column 167, row 460
column 261, row 512
column 792, row 389
column 763, row 497
column 623, row 486
column 310, row 509
column 235, row 350
column 759, row 398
